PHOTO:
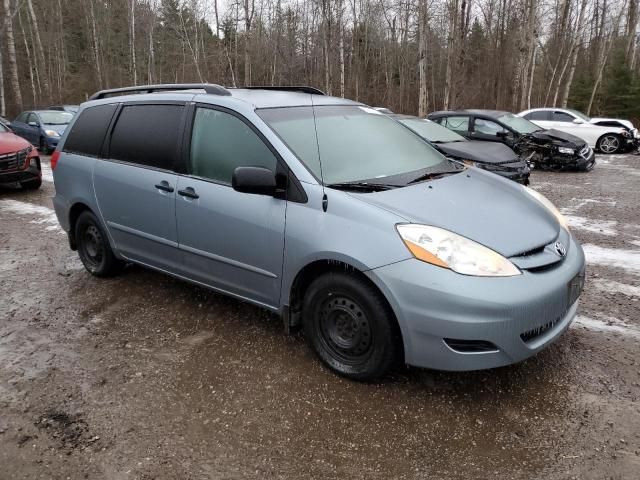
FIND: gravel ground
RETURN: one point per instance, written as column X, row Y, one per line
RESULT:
column 143, row 376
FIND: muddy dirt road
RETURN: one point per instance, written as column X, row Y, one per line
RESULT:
column 143, row 376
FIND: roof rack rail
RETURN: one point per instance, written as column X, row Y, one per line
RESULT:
column 210, row 88
column 293, row 88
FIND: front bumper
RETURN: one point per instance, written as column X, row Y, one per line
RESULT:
column 31, row 173
column 518, row 315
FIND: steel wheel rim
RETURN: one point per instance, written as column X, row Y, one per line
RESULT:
column 345, row 331
column 609, row 144
column 93, row 247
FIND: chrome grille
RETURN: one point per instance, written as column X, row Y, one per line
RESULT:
column 14, row 161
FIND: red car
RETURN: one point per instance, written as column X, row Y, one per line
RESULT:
column 19, row 161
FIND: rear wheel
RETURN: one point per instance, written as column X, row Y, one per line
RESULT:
column 93, row 247
column 350, row 326
column 31, row 184
column 609, row 143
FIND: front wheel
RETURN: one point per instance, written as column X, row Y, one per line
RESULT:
column 93, row 247
column 609, row 143
column 350, row 327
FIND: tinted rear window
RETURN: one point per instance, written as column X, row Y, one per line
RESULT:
column 87, row 133
column 147, row 135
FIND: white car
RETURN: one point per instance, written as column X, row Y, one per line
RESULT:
column 608, row 135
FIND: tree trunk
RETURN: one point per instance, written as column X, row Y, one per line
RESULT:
column 3, row 105
column 423, row 96
column 132, row 40
column 11, row 54
column 45, row 75
column 574, row 55
column 34, row 96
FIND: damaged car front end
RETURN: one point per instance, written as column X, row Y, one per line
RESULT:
column 555, row 150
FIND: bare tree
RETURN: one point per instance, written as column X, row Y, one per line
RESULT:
column 11, row 54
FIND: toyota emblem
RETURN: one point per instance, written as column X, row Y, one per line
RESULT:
column 560, row 249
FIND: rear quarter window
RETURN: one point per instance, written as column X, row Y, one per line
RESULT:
column 88, row 131
column 147, row 135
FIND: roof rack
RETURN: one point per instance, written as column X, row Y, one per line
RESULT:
column 293, row 88
column 210, row 88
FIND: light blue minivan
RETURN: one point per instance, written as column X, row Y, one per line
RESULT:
column 324, row 211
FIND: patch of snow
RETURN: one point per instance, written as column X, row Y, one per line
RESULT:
column 47, row 174
column 628, row 260
column 603, row 227
column 43, row 215
column 611, row 286
column 578, row 203
column 608, row 324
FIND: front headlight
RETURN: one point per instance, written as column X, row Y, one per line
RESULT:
column 566, row 150
column 549, row 206
column 449, row 250
column 52, row 133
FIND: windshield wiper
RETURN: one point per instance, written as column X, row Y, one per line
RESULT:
column 432, row 175
column 362, row 186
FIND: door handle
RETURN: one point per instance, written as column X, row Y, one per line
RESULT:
column 164, row 186
column 188, row 192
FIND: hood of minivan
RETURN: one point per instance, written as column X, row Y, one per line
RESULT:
column 561, row 139
column 485, row 152
column 478, row 205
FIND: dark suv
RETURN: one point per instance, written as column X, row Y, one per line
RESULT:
column 546, row 149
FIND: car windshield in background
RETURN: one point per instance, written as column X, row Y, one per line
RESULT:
column 580, row 114
column 431, row 130
column 355, row 143
column 519, row 124
column 55, row 118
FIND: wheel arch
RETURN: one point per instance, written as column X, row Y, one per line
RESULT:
column 292, row 314
column 607, row 134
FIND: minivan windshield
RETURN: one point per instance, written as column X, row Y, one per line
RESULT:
column 519, row 124
column 355, row 144
column 431, row 130
column 55, row 118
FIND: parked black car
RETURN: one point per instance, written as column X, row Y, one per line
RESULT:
column 546, row 149
column 491, row 156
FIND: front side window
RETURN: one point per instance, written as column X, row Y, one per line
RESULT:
column 353, row 143
column 147, row 135
column 221, row 142
column 22, row 117
column 519, row 124
column 32, row 118
column 55, row 118
column 562, row 117
column 487, row 127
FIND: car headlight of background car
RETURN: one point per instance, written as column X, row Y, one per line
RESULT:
column 549, row 206
column 52, row 133
column 446, row 249
column 566, row 150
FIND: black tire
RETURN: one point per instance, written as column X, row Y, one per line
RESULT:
column 42, row 147
column 31, row 184
column 609, row 143
column 350, row 327
column 93, row 247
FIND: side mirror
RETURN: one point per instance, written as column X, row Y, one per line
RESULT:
column 258, row 180
column 578, row 121
column 34, row 124
column 501, row 134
